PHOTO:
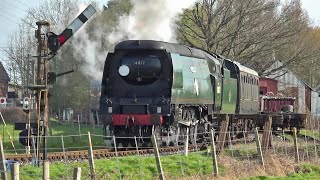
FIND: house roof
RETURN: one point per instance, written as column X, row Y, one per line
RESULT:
column 317, row 88
column 3, row 73
column 285, row 72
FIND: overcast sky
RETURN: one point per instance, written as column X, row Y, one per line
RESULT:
column 11, row 11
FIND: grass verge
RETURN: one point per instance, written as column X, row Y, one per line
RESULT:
column 303, row 172
column 133, row 167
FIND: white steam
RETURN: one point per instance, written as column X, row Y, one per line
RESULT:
column 150, row 20
column 87, row 51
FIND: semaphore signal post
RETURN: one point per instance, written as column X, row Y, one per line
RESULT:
column 41, row 88
column 48, row 44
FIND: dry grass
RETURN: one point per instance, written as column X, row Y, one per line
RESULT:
column 274, row 166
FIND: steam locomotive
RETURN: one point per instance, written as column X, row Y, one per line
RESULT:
column 153, row 87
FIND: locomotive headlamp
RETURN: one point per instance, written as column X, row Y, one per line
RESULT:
column 124, row 70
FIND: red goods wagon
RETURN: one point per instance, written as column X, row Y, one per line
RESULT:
column 275, row 103
column 271, row 102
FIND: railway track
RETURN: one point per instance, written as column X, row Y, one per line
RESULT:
column 109, row 153
column 100, row 153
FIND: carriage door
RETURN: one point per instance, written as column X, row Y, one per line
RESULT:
column 216, row 88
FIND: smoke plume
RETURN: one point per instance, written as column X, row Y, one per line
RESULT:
column 87, row 50
column 150, row 20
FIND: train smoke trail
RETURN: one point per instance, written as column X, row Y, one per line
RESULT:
column 150, row 20
column 87, row 51
column 153, row 20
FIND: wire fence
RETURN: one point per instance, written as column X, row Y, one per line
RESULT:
column 240, row 154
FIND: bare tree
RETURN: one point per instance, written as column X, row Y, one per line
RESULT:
column 57, row 12
column 249, row 31
column 308, row 65
column 18, row 53
column 22, row 43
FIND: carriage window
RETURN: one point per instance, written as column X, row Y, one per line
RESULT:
column 177, row 80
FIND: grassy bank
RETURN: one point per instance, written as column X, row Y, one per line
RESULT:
column 303, row 172
column 195, row 166
column 134, row 167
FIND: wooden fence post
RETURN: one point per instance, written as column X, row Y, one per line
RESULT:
column 258, row 144
column 15, row 171
column 214, row 154
column 137, row 149
column 2, row 163
column 223, row 132
column 77, row 173
column 116, row 151
column 156, row 154
column 266, row 136
column 91, row 161
column 46, row 170
column 296, row 148
column 64, row 156
column 315, row 145
column 35, row 157
column 186, row 143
